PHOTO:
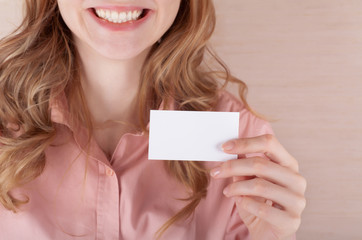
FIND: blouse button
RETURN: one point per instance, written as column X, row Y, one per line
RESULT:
column 109, row 172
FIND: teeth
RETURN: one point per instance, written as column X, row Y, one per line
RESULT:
column 118, row 17
column 129, row 16
column 122, row 16
column 114, row 15
column 135, row 14
column 108, row 14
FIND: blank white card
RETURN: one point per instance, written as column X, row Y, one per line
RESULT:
column 191, row 135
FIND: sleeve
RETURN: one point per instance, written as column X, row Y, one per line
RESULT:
column 236, row 229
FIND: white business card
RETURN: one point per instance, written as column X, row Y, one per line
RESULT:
column 191, row 135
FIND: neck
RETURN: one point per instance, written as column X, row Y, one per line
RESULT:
column 110, row 86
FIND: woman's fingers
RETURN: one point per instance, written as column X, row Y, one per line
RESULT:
column 272, row 215
column 271, row 190
column 290, row 201
column 267, row 144
column 263, row 168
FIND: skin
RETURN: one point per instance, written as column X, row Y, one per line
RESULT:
column 268, row 190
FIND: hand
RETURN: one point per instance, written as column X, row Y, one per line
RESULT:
column 268, row 190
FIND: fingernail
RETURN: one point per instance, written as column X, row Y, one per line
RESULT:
column 215, row 172
column 228, row 146
column 226, row 191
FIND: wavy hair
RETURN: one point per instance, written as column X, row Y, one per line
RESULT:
column 39, row 57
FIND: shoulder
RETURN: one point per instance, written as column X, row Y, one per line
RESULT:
column 227, row 102
column 250, row 125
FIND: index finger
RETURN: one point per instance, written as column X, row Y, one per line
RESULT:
column 267, row 144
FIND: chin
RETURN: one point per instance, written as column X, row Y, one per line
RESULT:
column 123, row 52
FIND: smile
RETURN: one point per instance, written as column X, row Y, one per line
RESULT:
column 120, row 16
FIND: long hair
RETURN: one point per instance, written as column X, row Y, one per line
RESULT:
column 39, row 57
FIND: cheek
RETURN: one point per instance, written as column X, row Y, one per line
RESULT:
column 170, row 9
column 69, row 10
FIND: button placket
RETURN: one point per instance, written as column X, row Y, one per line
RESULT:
column 108, row 205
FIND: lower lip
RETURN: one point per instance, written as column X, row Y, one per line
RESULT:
column 126, row 26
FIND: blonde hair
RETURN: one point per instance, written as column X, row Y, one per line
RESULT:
column 39, row 58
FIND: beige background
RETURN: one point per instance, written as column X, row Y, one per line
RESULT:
column 302, row 61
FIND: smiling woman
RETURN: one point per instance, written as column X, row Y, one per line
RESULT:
column 77, row 82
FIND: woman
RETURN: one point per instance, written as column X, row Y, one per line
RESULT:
column 78, row 79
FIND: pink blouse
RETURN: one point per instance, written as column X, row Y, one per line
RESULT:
column 125, row 197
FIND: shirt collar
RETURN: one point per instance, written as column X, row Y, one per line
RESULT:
column 59, row 109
